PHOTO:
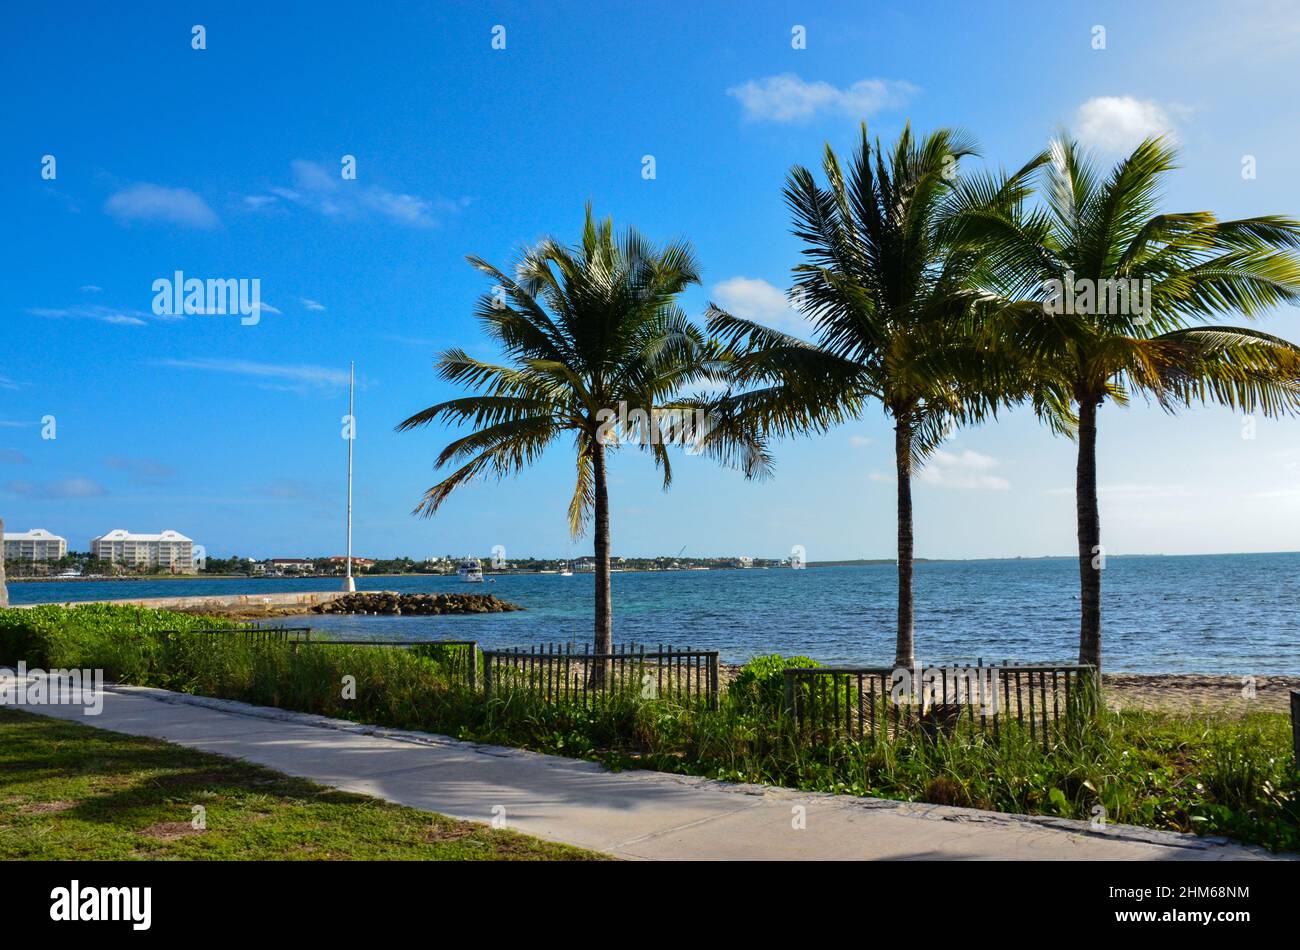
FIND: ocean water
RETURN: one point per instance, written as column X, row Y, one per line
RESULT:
column 1228, row 614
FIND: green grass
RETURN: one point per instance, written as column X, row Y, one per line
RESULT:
column 69, row 791
column 1200, row 773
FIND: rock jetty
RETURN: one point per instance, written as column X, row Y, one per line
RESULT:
column 391, row 602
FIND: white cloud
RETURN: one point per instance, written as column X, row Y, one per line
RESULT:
column 312, row 305
column 298, row 374
column 146, row 202
column 324, row 191
column 859, row 441
column 114, row 315
column 756, row 299
column 91, row 289
column 966, row 469
column 787, row 98
column 1116, row 124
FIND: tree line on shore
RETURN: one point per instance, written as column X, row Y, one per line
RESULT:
column 936, row 295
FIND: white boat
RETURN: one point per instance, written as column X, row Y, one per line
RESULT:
column 470, row 571
column 567, row 570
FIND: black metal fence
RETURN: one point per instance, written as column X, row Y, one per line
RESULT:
column 885, row 702
column 250, row 633
column 1295, row 726
column 569, row 673
column 822, row 703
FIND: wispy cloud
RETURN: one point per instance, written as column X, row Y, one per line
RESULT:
column 287, row 489
column 859, row 441
column 787, row 98
column 13, row 457
column 91, row 289
column 321, row 190
column 300, row 375
column 966, row 469
column 156, row 203
column 144, row 469
column 1116, row 124
column 59, row 490
column 312, row 305
column 115, row 315
column 7, row 383
column 756, row 299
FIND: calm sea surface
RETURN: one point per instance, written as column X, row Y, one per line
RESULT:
column 1232, row 614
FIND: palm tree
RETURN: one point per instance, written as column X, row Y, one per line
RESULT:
column 894, row 321
column 595, row 347
column 1108, row 295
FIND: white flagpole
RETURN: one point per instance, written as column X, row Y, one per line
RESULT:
column 349, row 584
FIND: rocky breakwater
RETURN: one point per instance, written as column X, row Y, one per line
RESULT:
column 422, row 605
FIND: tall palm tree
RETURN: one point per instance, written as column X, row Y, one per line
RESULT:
column 889, row 302
column 596, row 348
column 1109, row 298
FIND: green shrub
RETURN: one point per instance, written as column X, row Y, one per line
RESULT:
column 760, row 684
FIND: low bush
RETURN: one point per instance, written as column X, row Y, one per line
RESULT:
column 760, row 684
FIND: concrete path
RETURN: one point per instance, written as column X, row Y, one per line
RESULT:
column 646, row 815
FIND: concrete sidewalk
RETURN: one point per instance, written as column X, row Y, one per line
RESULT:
column 646, row 815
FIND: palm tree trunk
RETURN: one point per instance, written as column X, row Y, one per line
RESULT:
column 904, row 647
column 1090, row 554
column 604, row 638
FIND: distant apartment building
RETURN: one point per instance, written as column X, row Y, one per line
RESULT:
column 169, row 550
column 35, row 545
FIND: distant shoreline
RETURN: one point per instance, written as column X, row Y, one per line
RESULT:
column 859, row 562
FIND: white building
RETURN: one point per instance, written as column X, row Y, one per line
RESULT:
column 169, row 550
column 288, row 565
column 35, row 545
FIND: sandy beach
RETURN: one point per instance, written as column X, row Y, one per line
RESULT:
column 1190, row 692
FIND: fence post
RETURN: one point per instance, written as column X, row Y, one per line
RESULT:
column 487, row 675
column 1295, row 726
column 473, row 664
column 789, row 692
column 713, row 680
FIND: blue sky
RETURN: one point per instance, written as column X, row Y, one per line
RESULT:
column 225, row 163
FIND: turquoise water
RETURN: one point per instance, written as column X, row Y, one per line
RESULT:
column 1231, row 614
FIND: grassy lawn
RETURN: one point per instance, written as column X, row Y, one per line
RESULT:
column 69, row 791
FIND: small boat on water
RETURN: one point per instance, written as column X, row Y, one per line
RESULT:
column 567, row 570
column 470, row 571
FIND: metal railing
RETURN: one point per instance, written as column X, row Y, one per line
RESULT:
column 251, row 633
column 566, row 673
column 886, row 702
column 1295, row 726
